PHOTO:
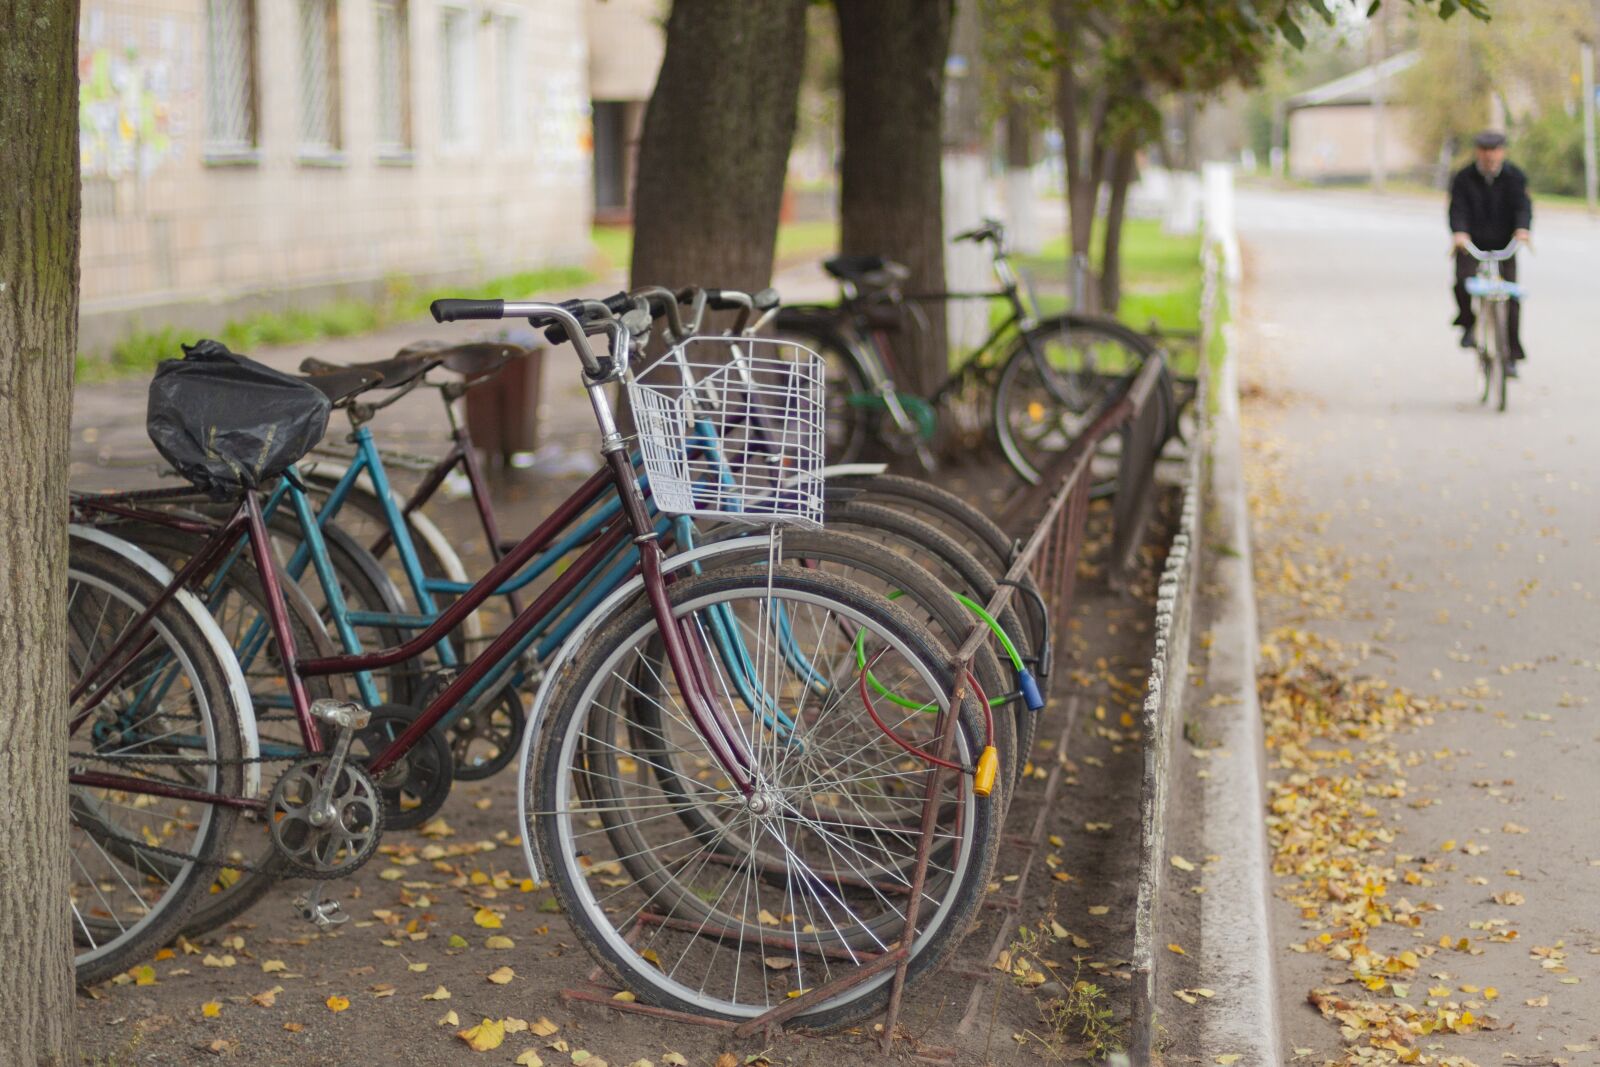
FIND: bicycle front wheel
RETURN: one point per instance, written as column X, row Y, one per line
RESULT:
column 808, row 879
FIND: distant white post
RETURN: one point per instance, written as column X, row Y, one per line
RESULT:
column 1217, row 181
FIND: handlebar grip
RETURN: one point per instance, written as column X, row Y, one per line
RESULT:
column 619, row 303
column 451, row 310
column 729, row 300
column 766, row 299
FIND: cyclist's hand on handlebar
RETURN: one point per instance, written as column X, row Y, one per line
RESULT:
column 1524, row 238
column 1459, row 241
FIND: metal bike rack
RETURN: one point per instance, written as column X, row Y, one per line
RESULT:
column 1056, row 512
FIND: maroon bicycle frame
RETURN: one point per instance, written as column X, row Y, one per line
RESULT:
column 704, row 705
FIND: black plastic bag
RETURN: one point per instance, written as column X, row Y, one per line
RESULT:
column 229, row 423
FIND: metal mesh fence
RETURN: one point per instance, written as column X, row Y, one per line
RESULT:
column 319, row 75
column 394, row 98
column 230, row 75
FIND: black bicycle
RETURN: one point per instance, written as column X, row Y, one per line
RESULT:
column 1045, row 377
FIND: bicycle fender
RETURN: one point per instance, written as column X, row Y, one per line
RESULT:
column 138, row 557
column 569, row 648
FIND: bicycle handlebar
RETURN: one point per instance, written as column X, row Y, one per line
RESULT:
column 573, row 320
column 1493, row 257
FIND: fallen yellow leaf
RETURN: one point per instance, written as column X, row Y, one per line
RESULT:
column 440, row 993
column 499, row 941
column 543, row 1028
column 529, row 1058
column 484, row 1037
column 336, row 1003
column 486, row 918
column 1182, row 864
column 211, row 1009
column 1173, row 946
column 502, row 975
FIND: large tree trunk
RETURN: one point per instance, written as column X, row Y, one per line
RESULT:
column 715, row 144
column 1122, row 170
column 38, row 337
column 891, row 192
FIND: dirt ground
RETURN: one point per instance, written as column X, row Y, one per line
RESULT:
column 412, row 967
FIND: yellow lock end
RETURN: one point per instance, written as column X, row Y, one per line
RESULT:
column 988, row 769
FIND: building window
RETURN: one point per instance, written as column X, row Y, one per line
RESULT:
column 394, row 78
column 512, row 86
column 230, row 84
column 319, row 76
column 458, row 72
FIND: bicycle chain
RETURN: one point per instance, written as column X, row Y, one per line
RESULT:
column 157, row 850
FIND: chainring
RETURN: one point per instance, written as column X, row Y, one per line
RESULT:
column 484, row 740
column 339, row 846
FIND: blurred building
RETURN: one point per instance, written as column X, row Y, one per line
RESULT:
column 241, row 154
column 1337, row 131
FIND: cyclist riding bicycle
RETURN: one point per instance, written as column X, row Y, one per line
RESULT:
column 1489, row 208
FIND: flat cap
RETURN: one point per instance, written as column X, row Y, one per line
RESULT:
column 1490, row 139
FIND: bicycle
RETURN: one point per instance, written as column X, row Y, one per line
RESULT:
column 1490, row 295
column 808, row 771
column 1046, row 375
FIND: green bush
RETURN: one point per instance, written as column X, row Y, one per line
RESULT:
column 1550, row 149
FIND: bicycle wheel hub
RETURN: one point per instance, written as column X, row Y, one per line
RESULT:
column 325, row 839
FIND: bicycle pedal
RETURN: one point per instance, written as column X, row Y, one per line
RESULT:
column 341, row 713
column 324, row 914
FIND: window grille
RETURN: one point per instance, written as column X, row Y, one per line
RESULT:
column 512, row 84
column 457, row 67
column 319, row 75
column 394, row 77
column 230, row 82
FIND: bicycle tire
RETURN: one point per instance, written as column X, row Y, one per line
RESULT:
column 951, row 898
column 956, row 568
column 972, row 530
column 95, row 571
column 1078, row 394
column 1502, row 353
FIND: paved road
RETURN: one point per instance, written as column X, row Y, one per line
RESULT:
column 1475, row 539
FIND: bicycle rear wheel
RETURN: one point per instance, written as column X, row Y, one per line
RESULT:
column 822, row 890
column 1057, row 378
column 138, row 861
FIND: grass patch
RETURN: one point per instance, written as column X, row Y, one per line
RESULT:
column 140, row 351
column 1161, row 276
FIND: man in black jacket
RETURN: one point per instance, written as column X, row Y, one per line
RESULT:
column 1489, row 206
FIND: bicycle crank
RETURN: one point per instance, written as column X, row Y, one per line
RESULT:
column 325, row 813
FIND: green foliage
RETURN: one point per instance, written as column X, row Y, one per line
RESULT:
column 1550, row 149
column 1531, row 45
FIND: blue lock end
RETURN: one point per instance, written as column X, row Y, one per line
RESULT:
column 1030, row 690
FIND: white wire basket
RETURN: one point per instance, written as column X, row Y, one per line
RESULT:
column 732, row 428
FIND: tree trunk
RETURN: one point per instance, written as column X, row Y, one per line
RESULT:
column 715, row 144
column 891, row 190
column 1122, row 169
column 1081, row 116
column 38, row 337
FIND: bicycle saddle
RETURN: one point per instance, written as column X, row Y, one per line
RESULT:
column 396, row 371
column 475, row 359
column 868, row 272
column 341, row 384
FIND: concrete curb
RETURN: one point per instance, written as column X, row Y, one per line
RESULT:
column 1236, row 955
column 1163, row 703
